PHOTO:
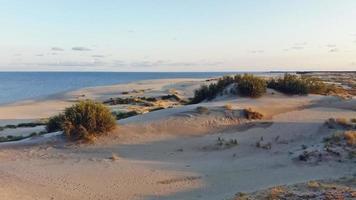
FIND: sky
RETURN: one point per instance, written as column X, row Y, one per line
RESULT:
column 177, row 35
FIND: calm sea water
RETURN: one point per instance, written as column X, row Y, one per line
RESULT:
column 17, row 86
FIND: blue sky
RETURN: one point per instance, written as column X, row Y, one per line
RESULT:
column 177, row 35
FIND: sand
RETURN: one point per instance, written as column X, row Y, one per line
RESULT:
column 173, row 153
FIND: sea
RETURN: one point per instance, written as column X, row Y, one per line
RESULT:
column 19, row 86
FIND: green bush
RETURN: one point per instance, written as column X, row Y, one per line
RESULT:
column 251, row 86
column 83, row 120
column 55, row 123
column 315, row 85
column 247, row 85
column 209, row 92
column 293, row 84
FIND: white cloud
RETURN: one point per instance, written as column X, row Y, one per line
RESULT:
column 333, row 50
column 81, row 49
column 297, row 48
column 57, row 49
column 98, row 56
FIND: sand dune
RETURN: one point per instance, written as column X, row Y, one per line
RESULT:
column 175, row 153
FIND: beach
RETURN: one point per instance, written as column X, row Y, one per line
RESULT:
column 172, row 150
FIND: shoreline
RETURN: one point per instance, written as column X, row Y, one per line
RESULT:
column 98, row 93
column 70, row 81
column 48, row 96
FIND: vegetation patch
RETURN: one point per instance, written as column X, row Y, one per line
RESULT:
column 228, row 107
column 11, row 138
column 144, row 101
column 55, row 123
column 250, row 86
column 202, row 110
column 303, row 85
column 22, row 125
column 209, row 92
column 130, row 100
column 123, row 115
column 340, row 145
column 84, row 121
column 343, row 188
column 114, row 157
column 293, row 84
column 251, row 115
column 340, row 123
column 350, row 137
column 221, row 142
column 246, row 85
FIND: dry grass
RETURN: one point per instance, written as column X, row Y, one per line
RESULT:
column 250, row 114
column 313, row 184
column 350, row 137
column 202, row 110
column 337, row 122
column 114, row 157
column 228, row 107
column 342, row 121
column 275, row 193
column 327, row 190
column 241, row 196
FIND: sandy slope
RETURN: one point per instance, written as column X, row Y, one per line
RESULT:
column 173, row 153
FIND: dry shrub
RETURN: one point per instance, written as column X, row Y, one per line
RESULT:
column 202, row 110
column 275, row 193
column 241, row 196
column 350, row 137
column 343, row 122
column 228, row 107
column 313, row 184
column 114, row 157
column 250, row 114
column 335, row 138
column 84, row 121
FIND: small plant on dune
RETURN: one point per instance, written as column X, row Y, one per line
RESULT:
column 202, row 110
column 342, row 122
column 350, row 137
column 228, row 107
column 275, row 193
column 123, row 115
column 226, row 143
column 250, row 114
column 84, row 120
column 114, row 157
column 313, row 184
column 251, row 86
column 339, row 122
column 335, row 138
